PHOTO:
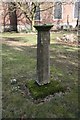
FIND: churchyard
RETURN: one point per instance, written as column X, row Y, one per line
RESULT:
column 19, row 61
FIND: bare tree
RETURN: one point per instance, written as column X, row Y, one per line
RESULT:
column 12, row 16
column 29, row 9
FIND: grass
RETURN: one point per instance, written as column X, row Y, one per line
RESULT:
column 39, row 92
column 19, row 62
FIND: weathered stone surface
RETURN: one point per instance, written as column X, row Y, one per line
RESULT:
column 43, row 59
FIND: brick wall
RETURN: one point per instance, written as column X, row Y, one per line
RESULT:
column 47, row 17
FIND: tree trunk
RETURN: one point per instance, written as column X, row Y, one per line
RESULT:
column 32, row 25
column 13, row 17
column 4, row 23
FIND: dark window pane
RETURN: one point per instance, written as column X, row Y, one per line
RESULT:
column 58, row 10
column 37, row 13
column 77, row 10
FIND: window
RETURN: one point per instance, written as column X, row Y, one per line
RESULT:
column 77, row 10
column 37, row 13
column 58, row 10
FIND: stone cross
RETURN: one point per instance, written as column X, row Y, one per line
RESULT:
column 43, row 54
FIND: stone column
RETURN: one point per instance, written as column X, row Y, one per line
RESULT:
column 43, row 56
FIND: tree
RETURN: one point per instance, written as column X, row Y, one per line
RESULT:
column 29, row 10
column 32, row 10
column 12, row 16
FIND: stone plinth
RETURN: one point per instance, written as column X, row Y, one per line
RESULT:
column 43, row 56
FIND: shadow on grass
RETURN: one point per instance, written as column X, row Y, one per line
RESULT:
column 63, row 60
column 19, row 62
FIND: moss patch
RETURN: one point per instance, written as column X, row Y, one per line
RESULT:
column 44, row 90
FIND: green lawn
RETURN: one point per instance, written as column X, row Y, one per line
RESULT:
column 19, row 62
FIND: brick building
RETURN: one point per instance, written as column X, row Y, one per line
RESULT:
column 58, row 13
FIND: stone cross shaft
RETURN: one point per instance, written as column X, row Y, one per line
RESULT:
column 43, row 54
